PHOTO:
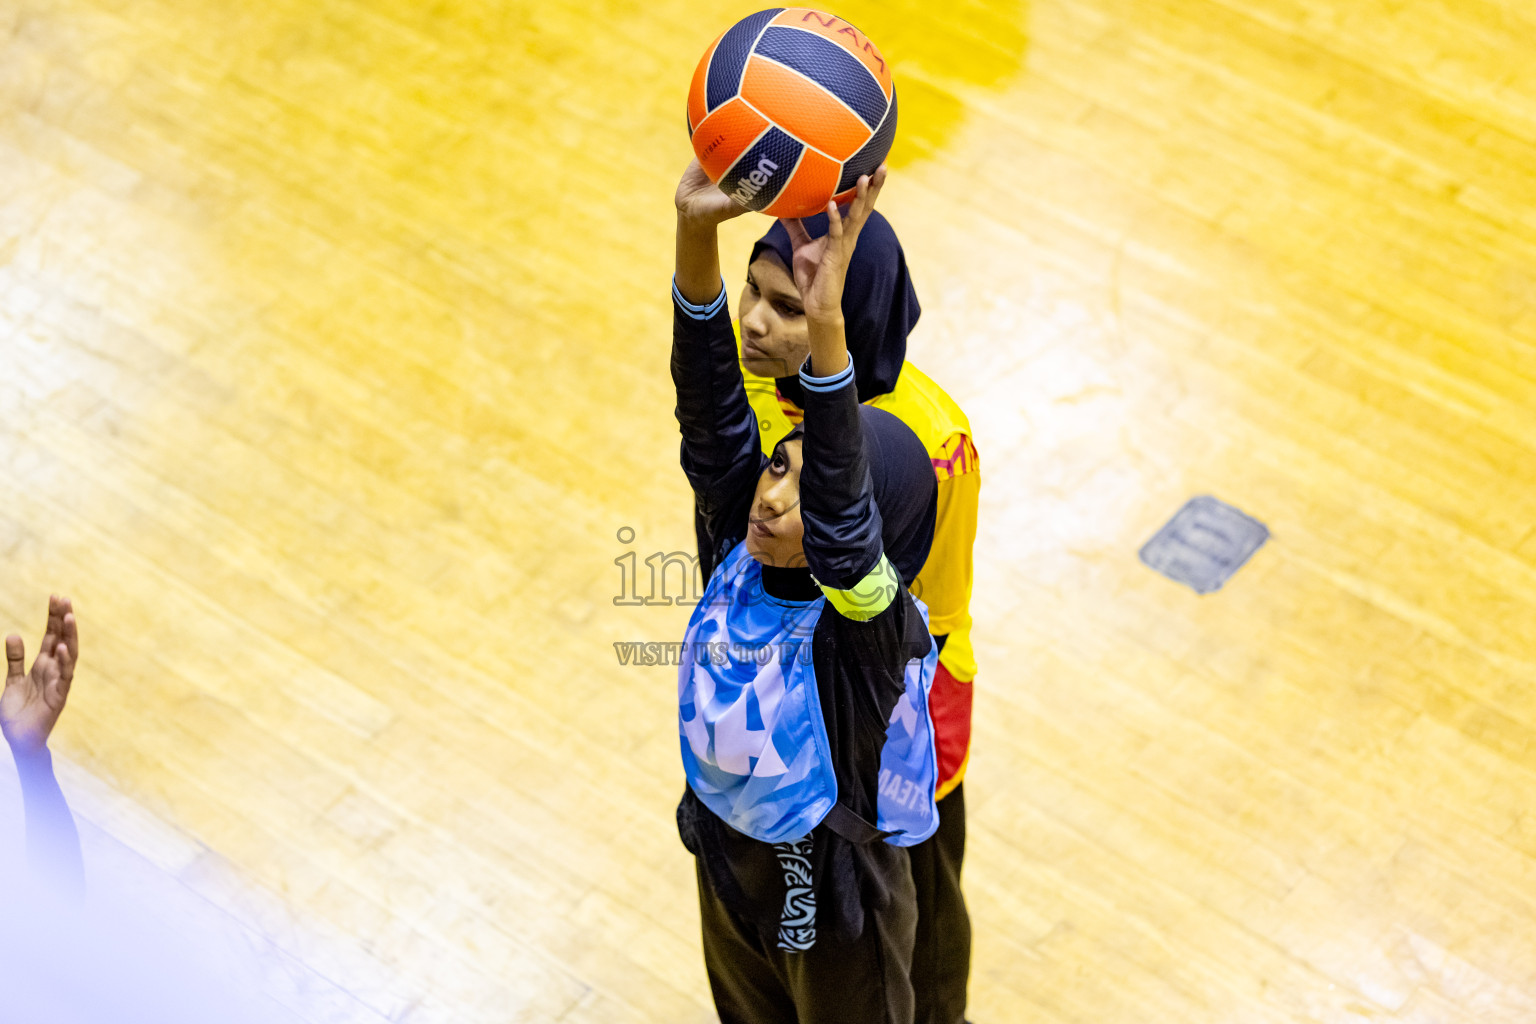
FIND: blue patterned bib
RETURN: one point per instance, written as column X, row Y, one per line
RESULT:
column 754, row 741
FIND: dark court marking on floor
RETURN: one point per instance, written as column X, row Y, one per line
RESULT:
column 1204, row 543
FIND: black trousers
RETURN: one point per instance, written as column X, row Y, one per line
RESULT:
column 866, row 981
column 941, row 957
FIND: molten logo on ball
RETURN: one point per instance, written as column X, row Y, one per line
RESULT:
column 754, row 182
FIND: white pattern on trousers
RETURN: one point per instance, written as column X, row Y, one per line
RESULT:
column 797, row 926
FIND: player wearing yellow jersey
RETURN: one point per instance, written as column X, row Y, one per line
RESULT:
column 880, row 309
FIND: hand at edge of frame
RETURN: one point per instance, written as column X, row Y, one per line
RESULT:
column 33, row 700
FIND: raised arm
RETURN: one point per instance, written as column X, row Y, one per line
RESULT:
column 720, row 451
column 701, row 209
column 842, row 523
column 29, row 709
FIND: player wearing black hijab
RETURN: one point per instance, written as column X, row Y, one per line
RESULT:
column 880, row 309
column 805, row 734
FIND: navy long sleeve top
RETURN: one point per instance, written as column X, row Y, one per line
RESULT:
column 859, row 653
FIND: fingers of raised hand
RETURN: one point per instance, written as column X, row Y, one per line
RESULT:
column 56, row 687
column 45, row 667
column 71, row 634
column 877, row 180
column 834, row 221
column 66, row 659
column 795, row 228
column 15, row 658
column 864, row 203
column 55, row 624
column 870, row 186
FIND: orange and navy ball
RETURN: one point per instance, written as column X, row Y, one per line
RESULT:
column 788, row 108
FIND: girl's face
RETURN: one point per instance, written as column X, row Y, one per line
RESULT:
column 774, row 529
column 774, row 337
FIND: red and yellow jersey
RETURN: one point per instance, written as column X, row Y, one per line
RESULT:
column 944, row 584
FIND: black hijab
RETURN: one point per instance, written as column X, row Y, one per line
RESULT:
column 906, row 491
column 879, row 304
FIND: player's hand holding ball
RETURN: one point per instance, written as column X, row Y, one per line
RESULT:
column 700, row 202
column 821, row 264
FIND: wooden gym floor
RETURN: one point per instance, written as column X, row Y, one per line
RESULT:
column 335, row 368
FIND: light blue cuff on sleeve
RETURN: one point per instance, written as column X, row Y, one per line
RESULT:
column 694, row 310
column 823, row 384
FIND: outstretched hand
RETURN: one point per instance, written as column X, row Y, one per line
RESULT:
column 33, row 701
column 821, row 264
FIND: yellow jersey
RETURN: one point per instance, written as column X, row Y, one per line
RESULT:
column 944, row 584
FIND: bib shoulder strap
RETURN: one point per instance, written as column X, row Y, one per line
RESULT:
column 851, row 826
